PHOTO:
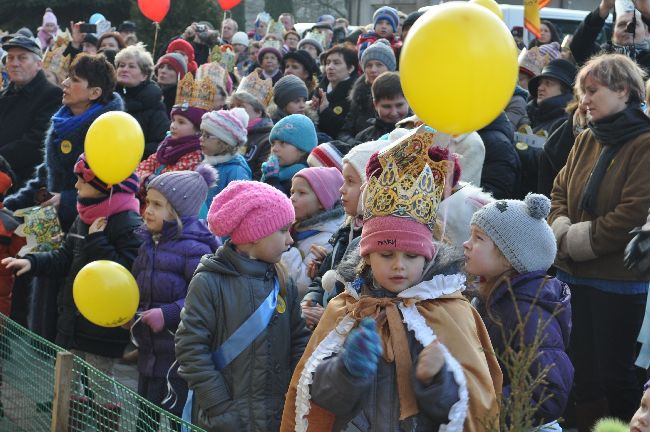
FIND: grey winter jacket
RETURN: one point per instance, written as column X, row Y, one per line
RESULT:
column 248, row 394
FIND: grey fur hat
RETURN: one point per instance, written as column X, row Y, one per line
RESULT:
column 520, row 231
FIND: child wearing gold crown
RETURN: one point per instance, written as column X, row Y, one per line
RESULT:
column 401, row 348
column 181, row 149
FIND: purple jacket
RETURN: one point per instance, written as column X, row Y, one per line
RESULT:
column 545, row 295
column 163, row 271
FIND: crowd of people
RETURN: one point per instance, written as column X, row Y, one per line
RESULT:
column 310, row 255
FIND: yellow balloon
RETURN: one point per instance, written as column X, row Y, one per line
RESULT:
column 114, row 146
column 106, row 293
column 458, row 67
column 491, row 5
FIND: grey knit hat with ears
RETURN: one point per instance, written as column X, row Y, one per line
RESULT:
column 186, row 191
column 520, row 231
column 380, row 51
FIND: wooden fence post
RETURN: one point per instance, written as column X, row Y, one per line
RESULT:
column 62, row 391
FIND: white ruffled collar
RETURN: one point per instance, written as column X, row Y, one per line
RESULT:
column 436, row 287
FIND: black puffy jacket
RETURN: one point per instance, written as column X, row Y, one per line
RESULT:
column 501, row 166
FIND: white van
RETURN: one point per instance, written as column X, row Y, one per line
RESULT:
column 566, row 20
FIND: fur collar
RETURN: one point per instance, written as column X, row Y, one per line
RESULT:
column 219, row 159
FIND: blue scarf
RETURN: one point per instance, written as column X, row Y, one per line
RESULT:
column 272, row 169
column 64, row 122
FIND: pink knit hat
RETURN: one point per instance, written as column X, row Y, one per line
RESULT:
column 325, row 182
column 248, row 211
column 392, row 233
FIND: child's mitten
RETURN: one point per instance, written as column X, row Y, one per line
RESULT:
column 362, row 349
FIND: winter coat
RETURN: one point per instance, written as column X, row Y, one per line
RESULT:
column 228, row 170
column 144, row 102
column 163, row 270
column 258, row 147
column 24, row 117
column 501, row 167
column 368, row 38
column 595, row 243
column 517, row 108
column 151, row 167
column 544, row 305
column 583, row 45
column 361, row 111
column 554, row 155
column 10, row 244
column 547, row 116
column 339, row 242
column 471, row 149
column 330, row 120
column 169, row 97
column 274, row 79
column 61, row 154
column 377, row 129
column 372, row 404
column 248, row 394
column 116, row 243
column 297, row 258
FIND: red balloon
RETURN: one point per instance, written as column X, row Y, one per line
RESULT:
column 228, row 4
column 155, row 10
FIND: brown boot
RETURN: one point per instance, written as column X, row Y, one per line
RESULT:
column 108, row 417
column 588, row 413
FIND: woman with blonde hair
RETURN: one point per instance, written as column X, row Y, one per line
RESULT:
column 601, row 194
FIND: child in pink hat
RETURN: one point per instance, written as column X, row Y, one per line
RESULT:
column 242, row 286
column 317, row 202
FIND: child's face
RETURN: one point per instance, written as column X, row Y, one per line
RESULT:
column 181, row 127
column 383, row 28
column 392, row 110
column 157, row 211
column 641, row 419
column 304, row 200
column 482, row 257
column 373, row 69
column 270, row 248
column 85, row 190
column 213, row 146
column 396, row 271
column 286, row 153
column 296, row 106
column 351, row 190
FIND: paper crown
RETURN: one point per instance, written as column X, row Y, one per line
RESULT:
column 275, row 27
column 56, row 62
column 199, row 93
column 317, row 36
column 257, row 86
column 410, row 185
column 214, row 72
column 272, row 43
column 533, row 60
column 224, row 55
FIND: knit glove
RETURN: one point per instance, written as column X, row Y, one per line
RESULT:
column 362, row 350
column 270, row 168
column 637, row 252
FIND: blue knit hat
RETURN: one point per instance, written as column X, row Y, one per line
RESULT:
column 386, row 13
column 520, row 231
column 297, row 130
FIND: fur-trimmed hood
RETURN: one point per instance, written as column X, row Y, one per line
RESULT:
column 276, row 114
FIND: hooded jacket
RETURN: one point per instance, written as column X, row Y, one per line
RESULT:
column 361, row 111
column 248, row 394
column 258, row 147
column 297, row 259
column 163, row 270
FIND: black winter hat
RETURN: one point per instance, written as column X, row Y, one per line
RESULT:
column 410, row 19
column 558, row 69
column 23, row 42
column 302, row 57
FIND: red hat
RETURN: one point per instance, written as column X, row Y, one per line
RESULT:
column 186, row 48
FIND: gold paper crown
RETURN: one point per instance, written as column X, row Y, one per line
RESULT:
column 272, row 43
column 214, row 72
column 410, row 185
column 224, row 55
column 197, row 94
column 259, row 87
column 275, row 27
column 57, row 63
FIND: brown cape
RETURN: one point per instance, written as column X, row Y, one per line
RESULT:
column 458, row 326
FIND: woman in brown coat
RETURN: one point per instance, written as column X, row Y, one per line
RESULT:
column 601, row 194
